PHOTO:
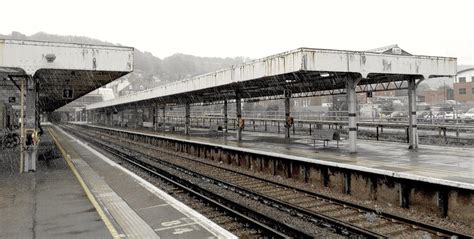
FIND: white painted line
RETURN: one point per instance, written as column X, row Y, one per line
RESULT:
column 154, row 206
column 172, row 227
column 207, row 224
column 316, row 161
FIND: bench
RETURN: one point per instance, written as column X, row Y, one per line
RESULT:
column 215, row 130
column 326, row 135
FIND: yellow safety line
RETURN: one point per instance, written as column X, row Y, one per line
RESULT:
column 86, row 189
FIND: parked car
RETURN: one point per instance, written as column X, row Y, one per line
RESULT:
column 449, row 116
column 468, row 116
column 398, row 116
column 424, row 116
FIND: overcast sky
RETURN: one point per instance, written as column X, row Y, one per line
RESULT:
column 254, row 28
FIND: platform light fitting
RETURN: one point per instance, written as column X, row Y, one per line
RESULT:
column 50, row 58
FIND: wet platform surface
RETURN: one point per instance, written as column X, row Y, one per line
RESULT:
column 49, row 203
column 445, row 165
column 138, row 209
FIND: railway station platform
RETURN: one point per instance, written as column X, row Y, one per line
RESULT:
column 47, row 204
column 80, row 193
column 444, row 165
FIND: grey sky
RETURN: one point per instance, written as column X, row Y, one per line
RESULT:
column 254, row 28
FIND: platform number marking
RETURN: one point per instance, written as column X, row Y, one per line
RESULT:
column 171, row 223
column 182, row 230
column 178, row 226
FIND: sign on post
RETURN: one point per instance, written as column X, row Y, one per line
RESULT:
column 67, row 94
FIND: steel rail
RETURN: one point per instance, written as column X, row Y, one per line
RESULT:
column 235, row 209
column 327, row 221
column 421, row 225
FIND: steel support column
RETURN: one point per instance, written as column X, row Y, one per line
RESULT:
column 29, row 137
column 135, row 116
column 155, row 117
column 141, row 112
column 412, row 127
column 111, row 117
column 238, row 110
column 107, row 117
column 101, row 116
column 287, row 114
column 226, row 120
column 187, row 112
column 164, row 118
column 351, row 85
column 122, row 117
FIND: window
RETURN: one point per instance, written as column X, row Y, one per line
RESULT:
column 462, row 91
column 472, row 78
column 472, row 91
column 462, row 79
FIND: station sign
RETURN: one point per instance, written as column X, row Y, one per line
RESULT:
column 67, row 94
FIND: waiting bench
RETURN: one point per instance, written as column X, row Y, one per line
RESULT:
column 326, row 135
column 216, row 130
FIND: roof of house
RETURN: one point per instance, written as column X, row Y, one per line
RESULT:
column 463, row 68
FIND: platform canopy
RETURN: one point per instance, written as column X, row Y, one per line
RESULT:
column 304, row 72
column 64, row 71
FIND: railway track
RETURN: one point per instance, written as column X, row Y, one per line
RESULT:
column 234, row 217
column 343, row 217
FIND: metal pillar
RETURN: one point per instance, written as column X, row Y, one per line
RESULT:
column 107, row 117
column 101, row 117
column 111, row 121
column 151, row 116
column 187, row 109
column 140, row 113
column 226, row 120
column 135, row 116
column 155, row 117
column 238, row 109
column 30, row 138
column 164, row 118
column 287, row 114
column 412, row 128
column 122, row 117
column 352, row 112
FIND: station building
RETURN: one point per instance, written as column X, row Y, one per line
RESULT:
column 464, row 85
